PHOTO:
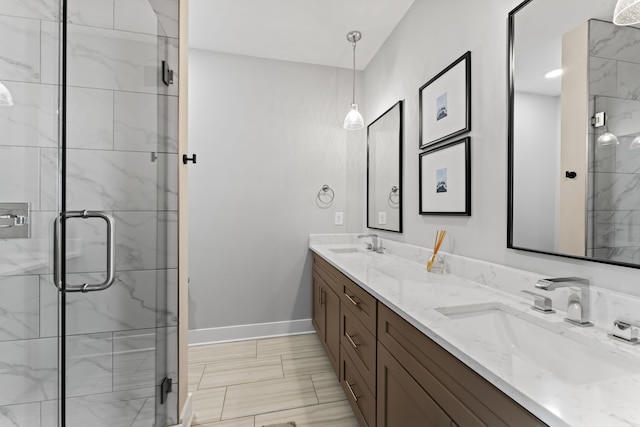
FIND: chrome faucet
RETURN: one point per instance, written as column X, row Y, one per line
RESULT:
column 541, row 303
column 376, row 244
column 577, row 310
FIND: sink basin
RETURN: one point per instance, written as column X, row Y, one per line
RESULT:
column 344, row 250
column 531, row 344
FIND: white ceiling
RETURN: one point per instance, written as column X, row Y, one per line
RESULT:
column 309, row 31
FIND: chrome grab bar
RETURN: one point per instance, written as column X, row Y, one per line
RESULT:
column 57, row 252
column 16, row 220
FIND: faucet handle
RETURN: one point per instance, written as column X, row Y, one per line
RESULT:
column 625, row 331
column 541, row 303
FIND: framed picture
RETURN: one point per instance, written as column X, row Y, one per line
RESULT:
column 445, row 179
column 445, row 103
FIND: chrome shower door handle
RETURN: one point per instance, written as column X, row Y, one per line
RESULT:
column 57, row 264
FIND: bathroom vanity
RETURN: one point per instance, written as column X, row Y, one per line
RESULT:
column 413, row 348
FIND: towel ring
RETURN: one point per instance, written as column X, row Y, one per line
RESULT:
column 326, row 195
column 394, row 195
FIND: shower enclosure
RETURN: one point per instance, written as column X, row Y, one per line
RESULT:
column 88, row 213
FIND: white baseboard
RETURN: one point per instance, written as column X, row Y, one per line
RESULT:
column 186, row 415
column 246, row 332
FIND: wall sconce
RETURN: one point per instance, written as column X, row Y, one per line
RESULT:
column 6, row 99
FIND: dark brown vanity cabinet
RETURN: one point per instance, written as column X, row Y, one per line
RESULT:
column 392, row 374
column 326, row 311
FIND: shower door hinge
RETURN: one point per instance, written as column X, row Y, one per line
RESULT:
column 165, row 389
column 167, row 74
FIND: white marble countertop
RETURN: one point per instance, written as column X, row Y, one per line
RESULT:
column 576, row 391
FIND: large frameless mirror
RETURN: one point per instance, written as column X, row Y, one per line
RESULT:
column 574, row 145
column 384, row 170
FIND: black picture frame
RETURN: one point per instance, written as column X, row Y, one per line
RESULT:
column 434, row 103
column 433, row 197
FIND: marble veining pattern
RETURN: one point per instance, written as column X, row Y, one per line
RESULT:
column 19, row 308
column 20, row 61
column 614, row 171
column 399, row 279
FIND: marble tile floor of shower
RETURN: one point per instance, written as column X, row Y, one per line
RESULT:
column 266, row 381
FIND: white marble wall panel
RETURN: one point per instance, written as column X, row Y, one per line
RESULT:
column 137, row 240
column 167, row 298
column 94, row 13
column 28, row 371
column 623, row 115
column 629, row 80
column 146, row 122
column 167, row 182
column 130, row 303
column 104, row 180
column 26, row 415
column 89, row 118
column 29, row 256
column 106, row 59
column 19, row 308
column 167, row 240
column 603, row 77
column 50, row 52
column 628, row 255
column 89, row 364
column 604, row 229
column 604, row 158
column 100, row 410
column 614, row 191
column 37, row 9
column 627, row 228
column 19, row 175
column 627, row 161
column 135, row 15
column 32, row 121
column 134, row 359
column 20, row 61
column 614, row 42
column 168, row 12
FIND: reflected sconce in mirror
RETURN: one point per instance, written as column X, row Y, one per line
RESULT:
column 607, row 138
column 354, row 120
column 627, row 12
column 6, row 99
column 635, row 144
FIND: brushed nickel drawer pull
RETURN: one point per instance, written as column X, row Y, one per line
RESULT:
column 354, row 302
column 355, row 346
column 351, row 390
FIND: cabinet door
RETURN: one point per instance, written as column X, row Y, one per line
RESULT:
column 332, row 327
column 318, row 306
column 401, row 400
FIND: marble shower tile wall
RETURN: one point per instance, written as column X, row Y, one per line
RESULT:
column 614, row 202
column 122, row 158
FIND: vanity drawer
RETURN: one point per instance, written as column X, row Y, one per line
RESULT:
column 328, row 272
column 361, row 346
column 464, row 395
column 359, row 302
column 358, row 394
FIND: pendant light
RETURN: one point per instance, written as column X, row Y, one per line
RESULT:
column 6, row 100
column 627, row 12
column 354, row 120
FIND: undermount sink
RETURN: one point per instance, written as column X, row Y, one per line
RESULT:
column 503, row 331
column 344, row 250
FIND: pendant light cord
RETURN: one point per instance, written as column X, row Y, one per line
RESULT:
column 353, row 97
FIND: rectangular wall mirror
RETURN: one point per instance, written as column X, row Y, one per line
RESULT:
column 574, row 131
column 384, row 170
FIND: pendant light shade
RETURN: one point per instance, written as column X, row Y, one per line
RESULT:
column 607, row 139
column 354, row 120
column 6, row 100
column 627, row 12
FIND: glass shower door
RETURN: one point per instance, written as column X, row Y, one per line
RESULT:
column 117, row 233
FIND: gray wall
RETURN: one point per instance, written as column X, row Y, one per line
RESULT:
column 268, row 135
column 430, row 37
column 536, row 157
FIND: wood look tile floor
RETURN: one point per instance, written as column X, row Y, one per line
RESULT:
column 268, row 381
